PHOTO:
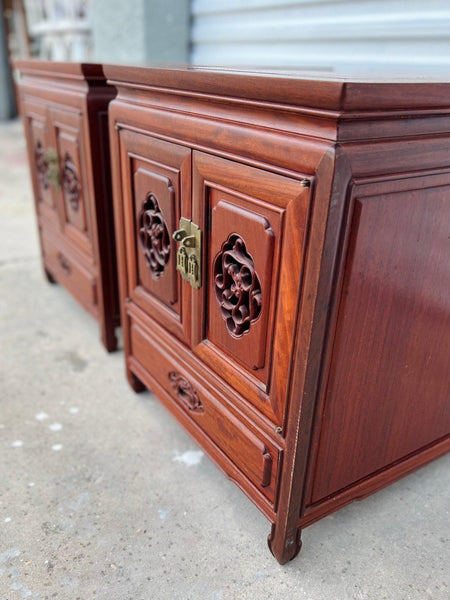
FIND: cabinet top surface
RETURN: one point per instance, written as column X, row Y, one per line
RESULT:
column 63, row 70
column 303, row 88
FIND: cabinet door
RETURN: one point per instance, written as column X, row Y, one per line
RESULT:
column 66, row 130
column 243, row 317
column 156, row 192
column 39, row 143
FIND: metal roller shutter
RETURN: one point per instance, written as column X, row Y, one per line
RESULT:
column 322, row 34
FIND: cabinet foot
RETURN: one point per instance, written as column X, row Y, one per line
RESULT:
column 48, row 276
column 284, row 548
column 135, row 383
column 109, row 339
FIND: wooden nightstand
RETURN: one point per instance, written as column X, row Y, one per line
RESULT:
column 64, row 110
column 284, row 265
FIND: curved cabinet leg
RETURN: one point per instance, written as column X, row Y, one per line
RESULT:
column 135, row 383
column 48, row 276
column 109, row 338
column 284, row 547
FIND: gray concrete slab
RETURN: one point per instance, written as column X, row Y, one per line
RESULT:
column 104, row 497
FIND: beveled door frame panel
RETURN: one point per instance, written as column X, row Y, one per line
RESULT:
column 256, row 235
column 36, row 112
column 173, row 162
column 155, row 211
column 68, row 124
column 360, row 191
column 278, row 194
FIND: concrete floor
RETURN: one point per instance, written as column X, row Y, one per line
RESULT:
column 104, row 497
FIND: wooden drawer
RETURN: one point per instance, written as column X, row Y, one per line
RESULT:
column 69, row 271
column 255, row 457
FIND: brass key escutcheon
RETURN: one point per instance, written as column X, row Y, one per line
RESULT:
column 52, row 161
column 189, row 254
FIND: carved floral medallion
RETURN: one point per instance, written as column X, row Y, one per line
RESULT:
column 154, row 236
column 41, row 166
column 237, row 286
column 185, row 392
column 70, row 182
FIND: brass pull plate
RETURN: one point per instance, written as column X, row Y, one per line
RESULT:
column 189, row 255
column 52, row 161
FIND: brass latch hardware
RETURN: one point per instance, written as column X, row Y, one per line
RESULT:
column 52, row 162
column 189, row 255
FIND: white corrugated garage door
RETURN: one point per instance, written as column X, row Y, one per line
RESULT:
column 325, row 34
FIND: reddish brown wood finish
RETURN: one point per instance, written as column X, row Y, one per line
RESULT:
column 269, row 212
column 328, row 200
column 165, row 169
column 64, row 110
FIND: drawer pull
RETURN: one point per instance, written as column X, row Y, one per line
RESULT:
column 267, row 469
column 64, row 264
column 185, row 393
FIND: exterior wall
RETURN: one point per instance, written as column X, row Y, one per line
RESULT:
column 141, row 31
column 7, row 101
column 167, row 29
column 61, row 29
column 396, row 35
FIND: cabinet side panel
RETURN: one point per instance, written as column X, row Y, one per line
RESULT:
column 388, row 391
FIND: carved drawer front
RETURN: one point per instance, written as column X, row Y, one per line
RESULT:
column 254, row 226
column 204, row 415
column 67, row 130
column 156, row 190
column 42, row 157
column 70, row 271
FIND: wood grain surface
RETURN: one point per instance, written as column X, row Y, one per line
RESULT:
column 328, row 200
column 64, row 112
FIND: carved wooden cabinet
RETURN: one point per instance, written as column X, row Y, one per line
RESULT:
column 284, row 267
column 64, row 111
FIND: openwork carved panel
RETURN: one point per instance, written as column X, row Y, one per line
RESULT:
column 185, row 392
column 237, row 286
column 154, row 236
column 41, row 166
column 70, row 182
